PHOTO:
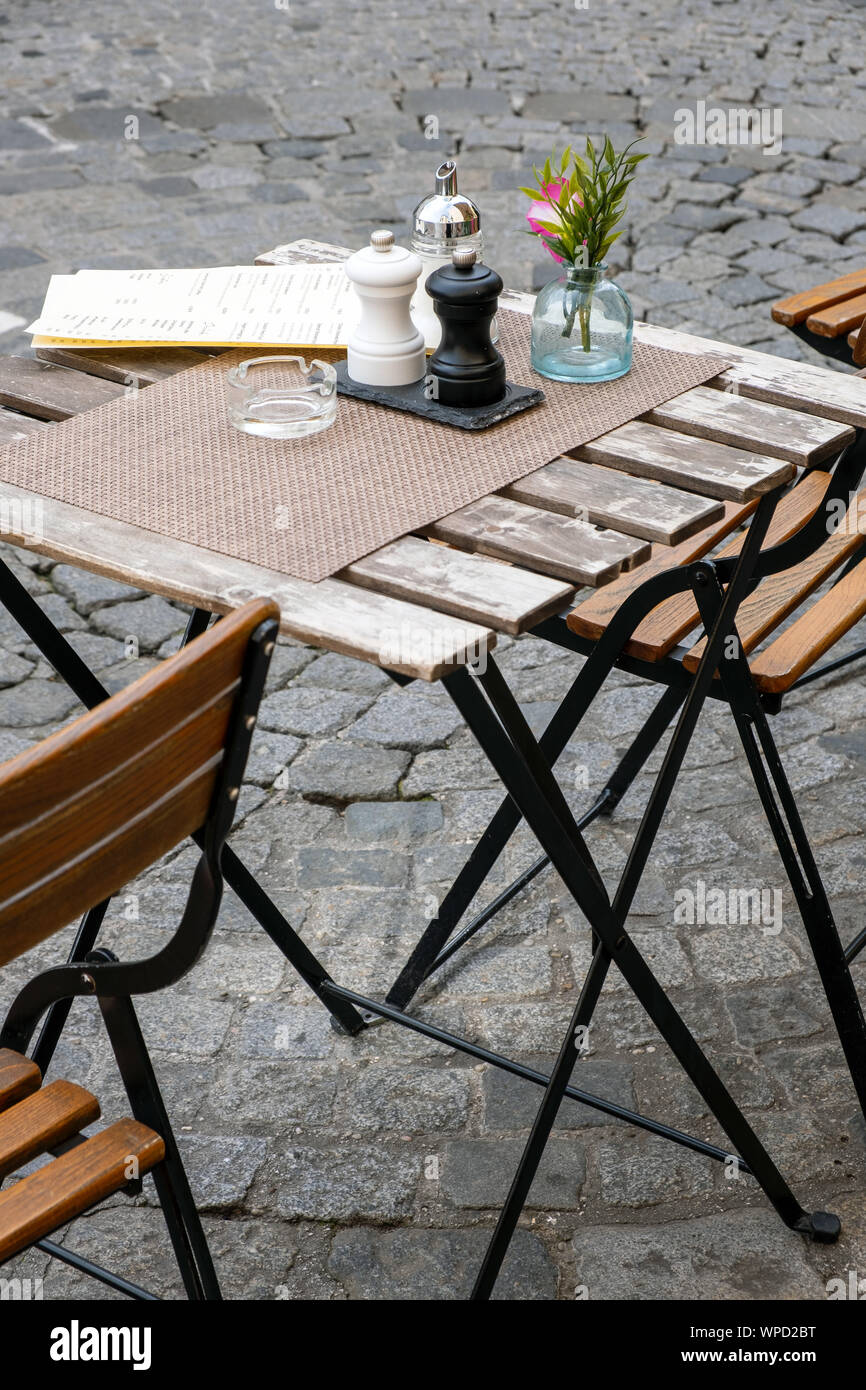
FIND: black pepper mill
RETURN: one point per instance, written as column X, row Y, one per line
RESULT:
column 466, row 367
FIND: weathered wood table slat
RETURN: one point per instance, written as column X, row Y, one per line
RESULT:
column 690, row 469
column 14, row 426
column 334, row 614
column 775, row 430
column 598, row 495
column 142, row 365
column 549, row 541
column 685, row 460
column 51, row 392
column 464, row 584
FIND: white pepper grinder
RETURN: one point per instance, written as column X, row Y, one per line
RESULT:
column 386, row 349
column 442, row 223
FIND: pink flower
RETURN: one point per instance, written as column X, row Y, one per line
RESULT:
column 543, row 212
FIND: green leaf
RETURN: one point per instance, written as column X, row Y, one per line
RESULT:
column 609, row 242
column 591, row 201
column 555, row 228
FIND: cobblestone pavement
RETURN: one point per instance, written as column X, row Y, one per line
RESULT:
column 331, row 1168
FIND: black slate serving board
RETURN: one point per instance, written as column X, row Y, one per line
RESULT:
column 413, row 399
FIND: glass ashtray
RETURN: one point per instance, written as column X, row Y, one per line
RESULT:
column 282, row 397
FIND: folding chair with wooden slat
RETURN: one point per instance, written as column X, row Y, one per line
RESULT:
column 652, row 639
column 831, row 317
column 736, row 596
column 81, row 814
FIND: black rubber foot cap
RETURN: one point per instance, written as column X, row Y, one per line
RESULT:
column 825, row 1227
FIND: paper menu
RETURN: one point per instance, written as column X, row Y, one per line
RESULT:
column 301, row 306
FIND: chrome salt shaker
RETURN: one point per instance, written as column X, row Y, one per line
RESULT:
column 442, row 222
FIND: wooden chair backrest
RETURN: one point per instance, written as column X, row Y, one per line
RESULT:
column 89, row 808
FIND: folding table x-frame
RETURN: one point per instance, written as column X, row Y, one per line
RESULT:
column 524, row 765
column 493, row 715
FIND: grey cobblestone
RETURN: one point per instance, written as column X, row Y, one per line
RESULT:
column 716, row 1257
column 510, row 1103
column 324, row 868
column 406, row 1264
column 150, row 620
column 393, row 823
column 342, row 771
column 472, row 1173
column 387, row 1100
column 229, row 197
column 643, row 1172
column 34, row 702
column 403, row 719
column 221, row 1167
column 310, row 712
column 357, row 1183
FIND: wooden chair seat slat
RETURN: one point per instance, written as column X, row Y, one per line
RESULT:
column 18, row 1077
column 74, row 1182
column 811, row 635
column 838, row 318
column 668, row 624
column 780, row 595
column 591, row 617
column 797, row 307
column 42, row 1121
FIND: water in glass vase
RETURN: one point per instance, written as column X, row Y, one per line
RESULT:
column 582, row 327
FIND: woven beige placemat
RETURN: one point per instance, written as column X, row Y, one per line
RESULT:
column 167, row 458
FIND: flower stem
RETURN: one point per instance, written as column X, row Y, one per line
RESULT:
column 570, row 307
column 578, row 304
column 585, row 309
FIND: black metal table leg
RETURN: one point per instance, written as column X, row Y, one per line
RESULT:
column 541, row 1128
column 795, row 851
column 566, row 854
column 830, row 956
column 437, row 943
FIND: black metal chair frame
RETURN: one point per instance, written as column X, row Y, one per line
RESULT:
column 524, row 765
column 439, row 941
column 113, row 983
column 835, row 348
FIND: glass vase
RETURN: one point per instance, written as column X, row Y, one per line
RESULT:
column 582, row 327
